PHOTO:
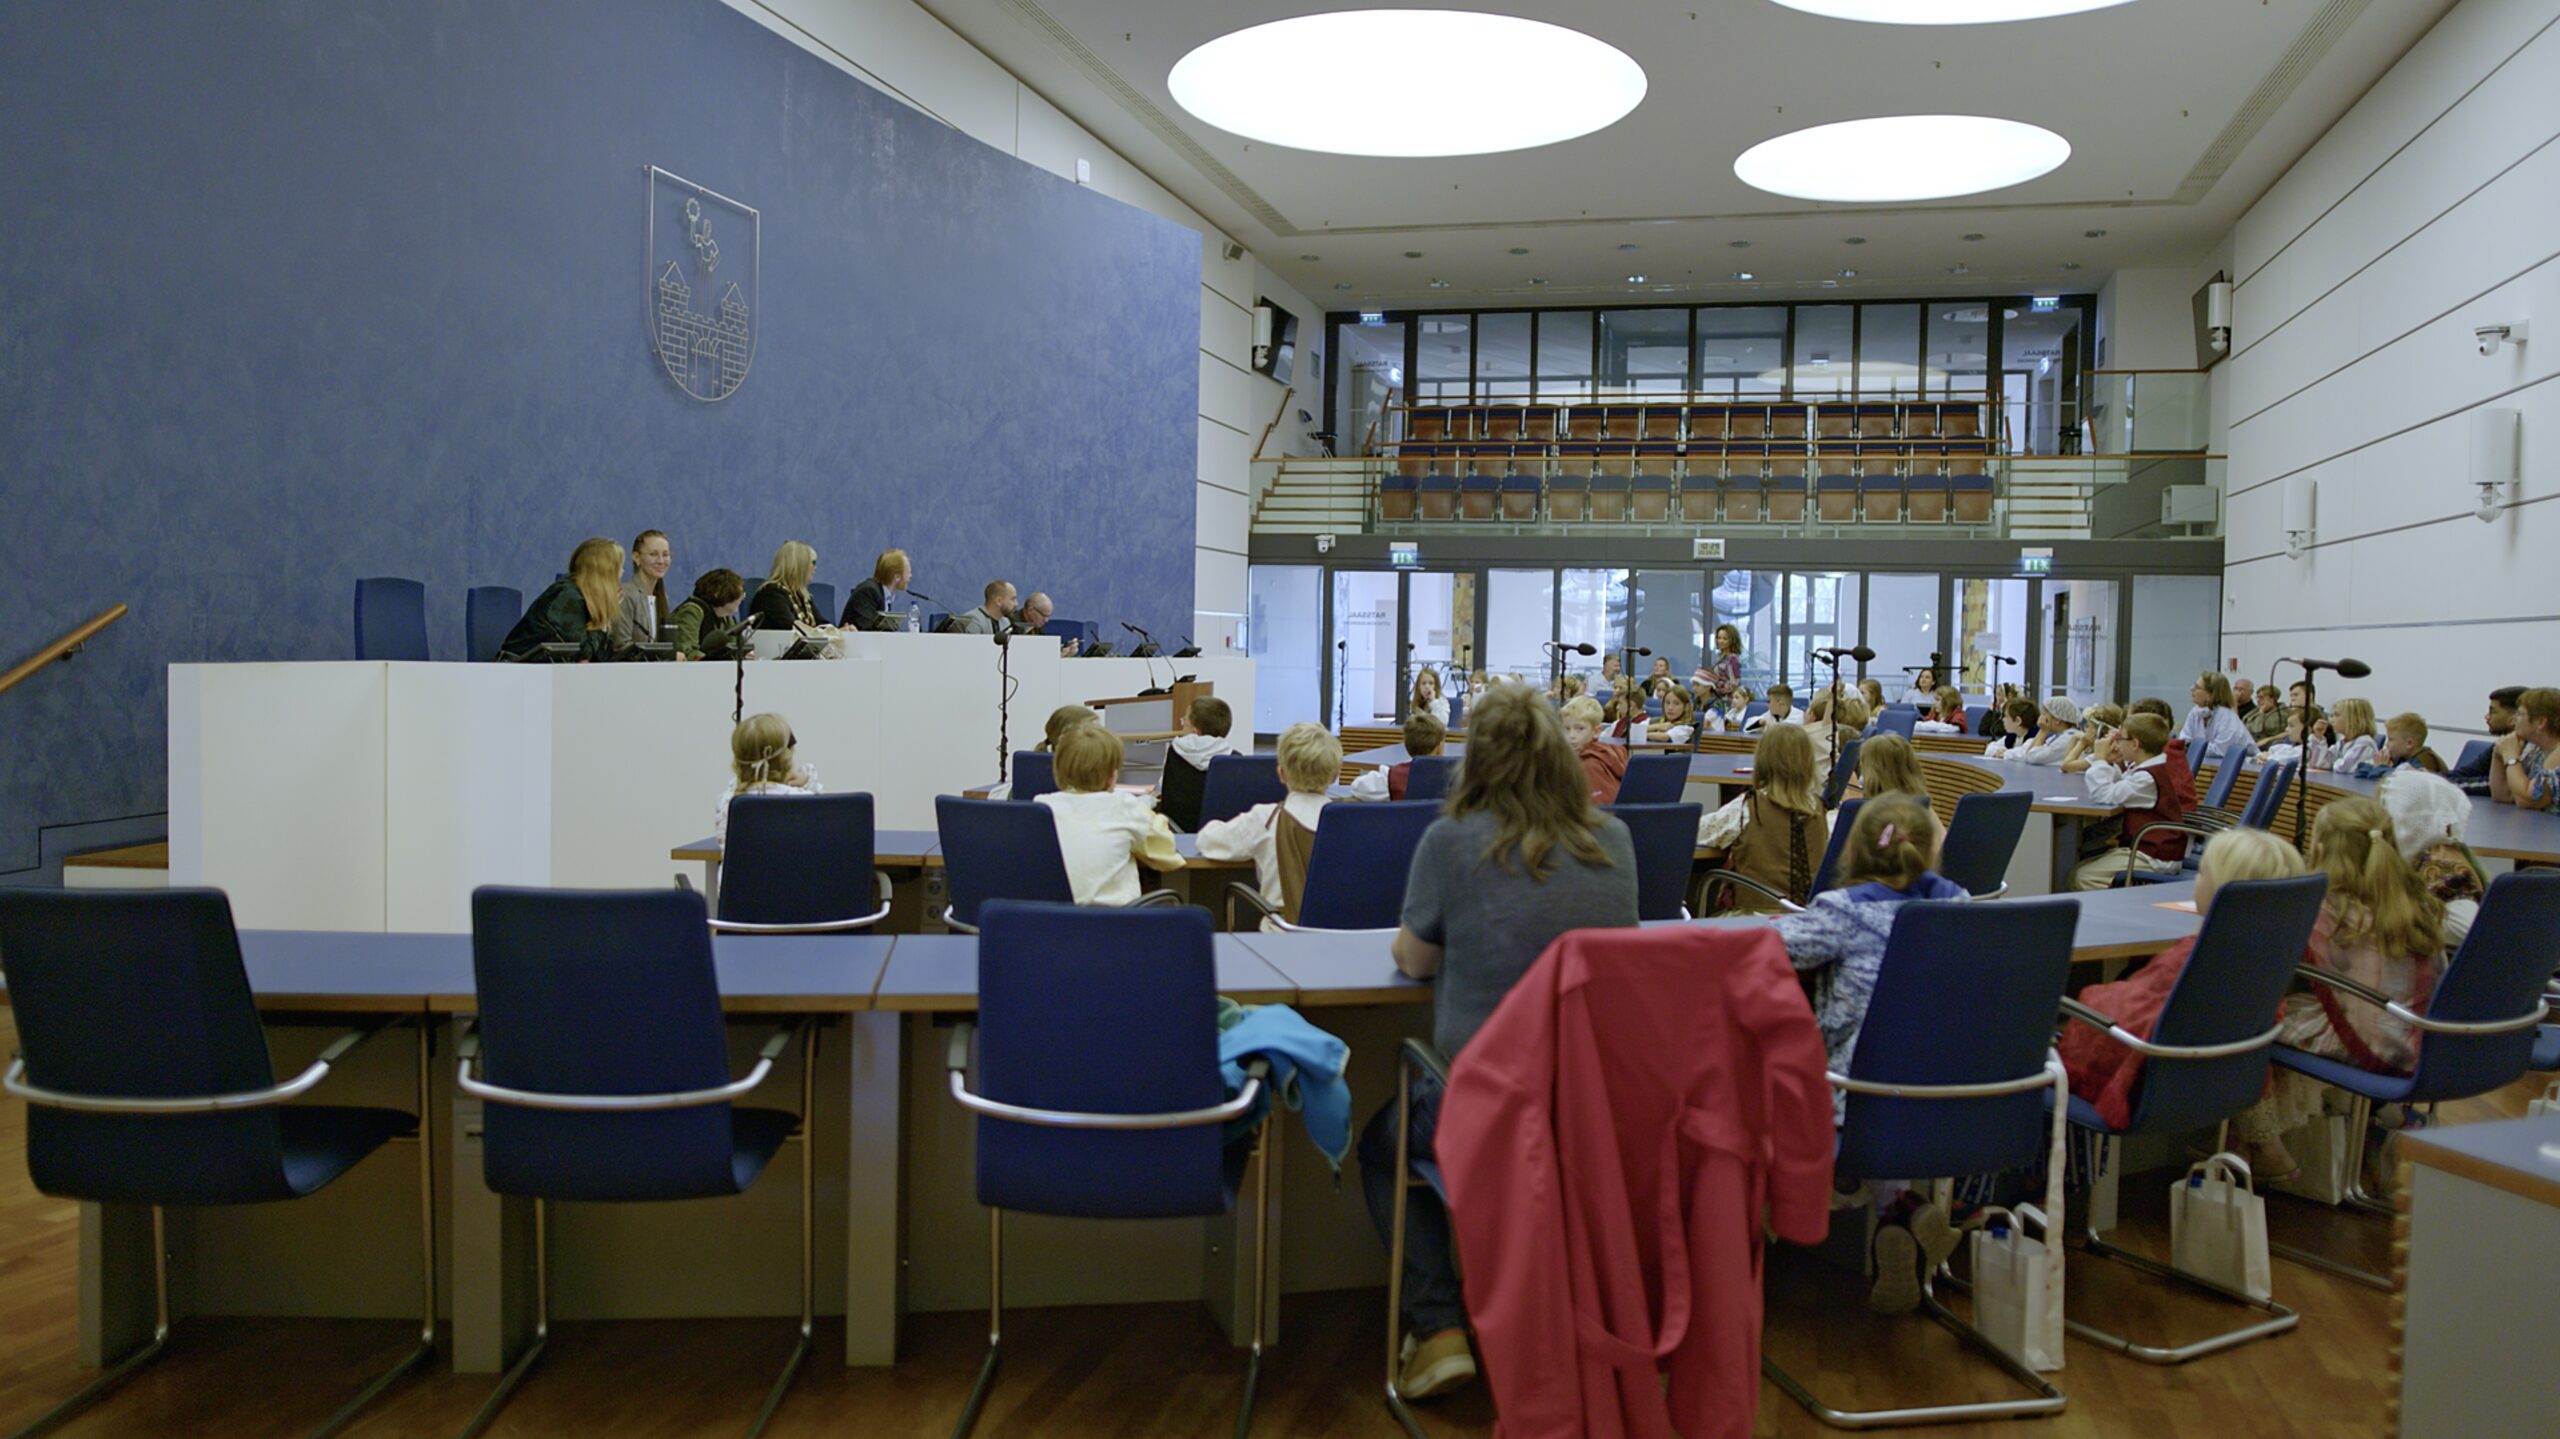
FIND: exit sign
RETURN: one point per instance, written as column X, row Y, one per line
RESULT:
column 2045, row 304
column 1373, row 317
column 1404, row 555
column 2035, row 564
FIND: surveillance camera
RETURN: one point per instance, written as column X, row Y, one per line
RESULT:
column 1324, row 544
column 2489, row 337
column 2219, row 338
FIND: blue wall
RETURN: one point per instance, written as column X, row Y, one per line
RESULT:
column 297, row 292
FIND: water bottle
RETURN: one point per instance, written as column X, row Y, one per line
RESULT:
column 915, row 619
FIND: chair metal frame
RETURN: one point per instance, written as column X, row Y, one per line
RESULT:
column 2048, row 1399
column 2280, row 1318
column 1149, row 899
column 956, row 1063
column 805, row 1032
column 1414, row 1056
column 884, row 890
column 2360, row 1110
column 15, row 1082
column 1715, row 877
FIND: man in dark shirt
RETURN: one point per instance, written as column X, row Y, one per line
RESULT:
column 2474, row 777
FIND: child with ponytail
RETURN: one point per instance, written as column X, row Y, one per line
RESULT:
column 2379, row 926
column 763, row 759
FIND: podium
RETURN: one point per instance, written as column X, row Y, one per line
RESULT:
column 1146, row 724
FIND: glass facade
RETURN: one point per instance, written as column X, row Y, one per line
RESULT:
column 1992, row 626
column 1644, row 352
column 1902, row 628
column 1823, row 612
column 1443, row 359
column 1564, row 355
column 1284, row 632
column 2078, row 630
column 1502, row 355
column 1519, row 619
column 1366, row 665
column 1742, row 351
column 2179, row 636
column 1821, row 354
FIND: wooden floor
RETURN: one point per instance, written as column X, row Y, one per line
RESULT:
column 1161, row 1370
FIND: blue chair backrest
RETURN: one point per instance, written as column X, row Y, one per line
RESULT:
column 1666, row 840
column 1357, row 867
column 797, row 859
column 1982, row 837
column 1653, row 706
column 2474, row 752
column 138, row 993
column 391, row 619
column 1099, row 1011
column 1431, row 776
column 1237, row 782
column 1754, row 710
column 2227, row 764
column 1966, row 995
column 600, row 992
column 1841, row 819
column 1655, row 779
column 2268, row 794
column 1458, row 709
column 1842, row 773
column 1897, row 719
column 2244, row 957
column 822, row 598
column 488, row 612
column 1973, row 717
column 2500, row 971
column 993, row 849
column 747, row 605
column 1034, row 774
column 1080, row 631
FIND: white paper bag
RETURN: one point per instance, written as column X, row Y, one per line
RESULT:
column 2549, row 1103
column 2013, row 1305
column 2218, row 1227
column 2320, row 1145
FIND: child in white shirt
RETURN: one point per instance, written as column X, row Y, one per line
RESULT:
column 762, row 760
column 1945, row 715
column 2018, row 722
column 1310, row 758
column 1104, row 834
column 2345, row 738
column 2056, row 724
column 1781, row 710
column 1200, row 735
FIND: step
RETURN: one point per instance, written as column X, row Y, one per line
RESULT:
column 141, row 866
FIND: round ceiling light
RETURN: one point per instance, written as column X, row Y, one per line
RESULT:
column 1530, row 83
column 1902, row 157
column 1946, row 12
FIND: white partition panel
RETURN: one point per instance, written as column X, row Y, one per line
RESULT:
column 276, row 790
column 468, row 788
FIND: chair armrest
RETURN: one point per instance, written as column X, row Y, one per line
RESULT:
column 1156, row 899
column 1714, row 877
column 2074, row 1009
column 823, row 926
column 1988, row 1089
column 15, row 1081
column 1250, row 894
column 469, row 1054
column 1423, row 1055
column 2397, row 1010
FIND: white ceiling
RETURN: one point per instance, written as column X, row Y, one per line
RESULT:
column 2180, row 113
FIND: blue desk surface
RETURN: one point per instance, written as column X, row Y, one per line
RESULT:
column 1328, row 969
column 938, row 973
column 303, row 969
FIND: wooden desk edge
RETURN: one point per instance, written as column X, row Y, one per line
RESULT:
column 2418, row 1149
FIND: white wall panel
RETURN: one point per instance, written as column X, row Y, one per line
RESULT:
column 1223, row 521
column 1219, row 583
column 1232, row 396
column 897, row 47
column 1225, row 457
column 1045, row 137
column 1225, row 331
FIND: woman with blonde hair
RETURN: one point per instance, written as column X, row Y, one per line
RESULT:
column 1774, row 835
column 1833, row 725
column 783, row 603
column 643, row 605
column 577, row 609
column 2345, row 738
column 1887, row 765
column 764, row 758
column 2379, row 927
column 1518, row 856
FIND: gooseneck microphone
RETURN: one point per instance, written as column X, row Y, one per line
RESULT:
column 1860, row 653
column 2347, row 669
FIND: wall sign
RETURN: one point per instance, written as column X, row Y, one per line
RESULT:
column 704, row 253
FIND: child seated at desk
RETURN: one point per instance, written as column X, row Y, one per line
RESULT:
column 2057, row 729
column 1423, row 737
column 763, row 759
column 1888, row 765
column 1278, row 838
column 1200, row 736
column 2404, row 744
column 2018, row 721
column 1944, row 714
column 1775, row 833
column 2144, row 775
column 1679, row 721
column 1104, row 833
column 1781, row 710
column 1624, row 716
column 1603, row 764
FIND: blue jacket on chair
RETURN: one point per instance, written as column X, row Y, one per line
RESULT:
column 1306, row 1070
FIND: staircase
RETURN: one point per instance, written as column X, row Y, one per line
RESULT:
column 2047, row 497
column 1314, row 497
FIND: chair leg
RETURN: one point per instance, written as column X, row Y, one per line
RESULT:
column 2280, row 1320
column 1395, row 1253
column 532, row 1355
column 2359, row 1120
column 425, row 1349
column 995, row 1326
column 1261, row 1268
column 132, row 1364
column 2047, row 1400
column 808, row 1231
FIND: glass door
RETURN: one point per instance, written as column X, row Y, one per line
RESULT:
column 1992, row 616
column 1440, row 628
column 1284, row 633
column 2078, row 632
column 1365, row 660
column 1370, row 363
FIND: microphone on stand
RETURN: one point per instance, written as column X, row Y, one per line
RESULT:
column 2347, row 669
column 1188, row 649
column 1860, row 653
column 1341, row 681
column 1004, row 706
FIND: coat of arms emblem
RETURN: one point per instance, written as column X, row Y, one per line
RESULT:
column 703, row 253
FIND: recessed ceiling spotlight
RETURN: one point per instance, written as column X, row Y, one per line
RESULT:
column 1311, row 259
column 1973, row 237
column 1556, row 83
column 1945, row 12
column 1635, row 279
column 1902, row 157
column 1959, row 270
column 1439, row 284
column 1848, row 274
column 2071, row 264
column 1519, row 249
column 1537, row 279
column 1855, row 240
column 1342, row 284
column 1742, row 274
column 1739, row 244
column 2093, row 234
column 1629, row 249
column 1413, row 254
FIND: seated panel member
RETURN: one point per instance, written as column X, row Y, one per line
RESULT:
column 577, row 609
column 784, row 602
column 993, row 616
column 706, row 624
column 1033, row 619
column 867, row 608
column 644, row 593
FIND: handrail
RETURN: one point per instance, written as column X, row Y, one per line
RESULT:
column 1369, row 442
column 1285, row 396
column 1698, row 399
column 63, row 648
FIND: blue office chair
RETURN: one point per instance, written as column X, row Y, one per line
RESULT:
column 747, row 604
column 1950, row 1078
column 2477, row 1037
column 1827, row 874
column 2206, row 1060
column 1458, row 706
column 1981, row 838
column 822, row 598
column 1034, row 774
column 1655, row 778
column 1842, row 774
column 2267, row 797
column 1896, row 719
column 602, row 1064
column 1666, row 840
column 1099, row 1093
column 2227, row 765
column 1238, row 782
column 391, row 619
column 996, row 849
column 1431, row 776
column 145, row 1071
column 2266, row 801
column 798, row 864
column 1355, row 870
column 488, row 612
column 2474, row 752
